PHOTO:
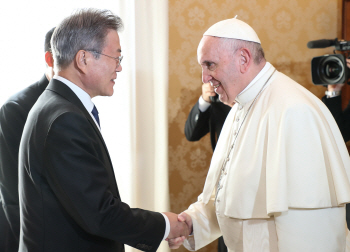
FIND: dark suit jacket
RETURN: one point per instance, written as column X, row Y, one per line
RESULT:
column 69, row 198
column 13, row 115
column 199, row 123
column 342, row 117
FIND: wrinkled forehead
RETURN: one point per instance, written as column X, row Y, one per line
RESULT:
column 208, row 47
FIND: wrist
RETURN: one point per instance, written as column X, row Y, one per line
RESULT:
column 203, row 105
column 331, row 94
column 206, row 99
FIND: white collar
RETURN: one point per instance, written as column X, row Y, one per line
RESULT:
column 264, row 70
column 82, row 95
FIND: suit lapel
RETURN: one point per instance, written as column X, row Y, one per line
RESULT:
column 63, row 90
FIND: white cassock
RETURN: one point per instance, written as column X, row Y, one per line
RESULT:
column 279, row 176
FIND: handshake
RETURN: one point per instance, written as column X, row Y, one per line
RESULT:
column 180, row 228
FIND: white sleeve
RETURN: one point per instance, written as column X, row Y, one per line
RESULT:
column 167, row 226
column 202, row 104
column 205, row 225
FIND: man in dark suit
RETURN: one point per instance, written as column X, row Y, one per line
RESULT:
column 333, row 101
column 69, row 198
column 207, row 116
column 13, row 115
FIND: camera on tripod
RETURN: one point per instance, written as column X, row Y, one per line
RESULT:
column 330, row 69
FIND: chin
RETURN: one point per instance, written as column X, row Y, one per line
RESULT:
column 223, row 98
column 110, row 93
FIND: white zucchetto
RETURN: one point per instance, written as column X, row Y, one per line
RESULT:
column 233, row 28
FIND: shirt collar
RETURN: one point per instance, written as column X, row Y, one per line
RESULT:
column 82, row 95
column 255, row 85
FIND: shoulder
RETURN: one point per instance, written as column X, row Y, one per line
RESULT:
column 284, row 97
column 53, row 108
column 26, row 97
column 287, row 92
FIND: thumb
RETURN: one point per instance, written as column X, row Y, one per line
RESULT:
column 182, row 217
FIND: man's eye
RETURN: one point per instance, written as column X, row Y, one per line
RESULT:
column 211, row 66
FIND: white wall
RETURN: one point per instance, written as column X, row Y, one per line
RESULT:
column 23, row 25
column 134, row 119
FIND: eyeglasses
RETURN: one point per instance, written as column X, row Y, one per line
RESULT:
column 117, row 59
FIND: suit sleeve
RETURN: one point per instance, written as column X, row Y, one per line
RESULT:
column 197, row 123
column 342, row 117
column 86, row 187
column 12, row 119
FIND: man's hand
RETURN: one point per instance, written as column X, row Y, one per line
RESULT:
column 175, row 243
column 207, row 91
column 184, row 217
column 336, row 87
column 177, row 228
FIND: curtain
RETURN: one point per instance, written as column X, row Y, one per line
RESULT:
column 136, row 127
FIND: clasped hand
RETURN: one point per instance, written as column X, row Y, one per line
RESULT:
column 180, row 229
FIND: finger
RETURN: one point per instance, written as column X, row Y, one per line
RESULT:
column 186, row 216
column 209, row 92
column 176, row 242
column 181, row 218
column 172, row 246
column 209, row 89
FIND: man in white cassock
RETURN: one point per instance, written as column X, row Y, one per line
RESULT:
column 279, row 176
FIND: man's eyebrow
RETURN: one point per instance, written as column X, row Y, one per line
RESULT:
column 206, row 62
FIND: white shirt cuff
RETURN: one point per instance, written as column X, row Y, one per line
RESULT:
column 202, row 104
column 167, row 226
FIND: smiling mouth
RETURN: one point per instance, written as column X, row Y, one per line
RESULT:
column 214, row 85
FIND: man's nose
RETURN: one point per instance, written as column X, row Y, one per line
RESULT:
column 206, row 77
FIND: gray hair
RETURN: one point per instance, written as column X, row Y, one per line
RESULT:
column 255, row 48
column 86, row 29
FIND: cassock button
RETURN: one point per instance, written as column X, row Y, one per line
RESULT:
column 240, row 107
column 235, row 133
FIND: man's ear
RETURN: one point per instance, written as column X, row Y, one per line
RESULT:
column 81, row 60
column 49, row 59
column 245, row 60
